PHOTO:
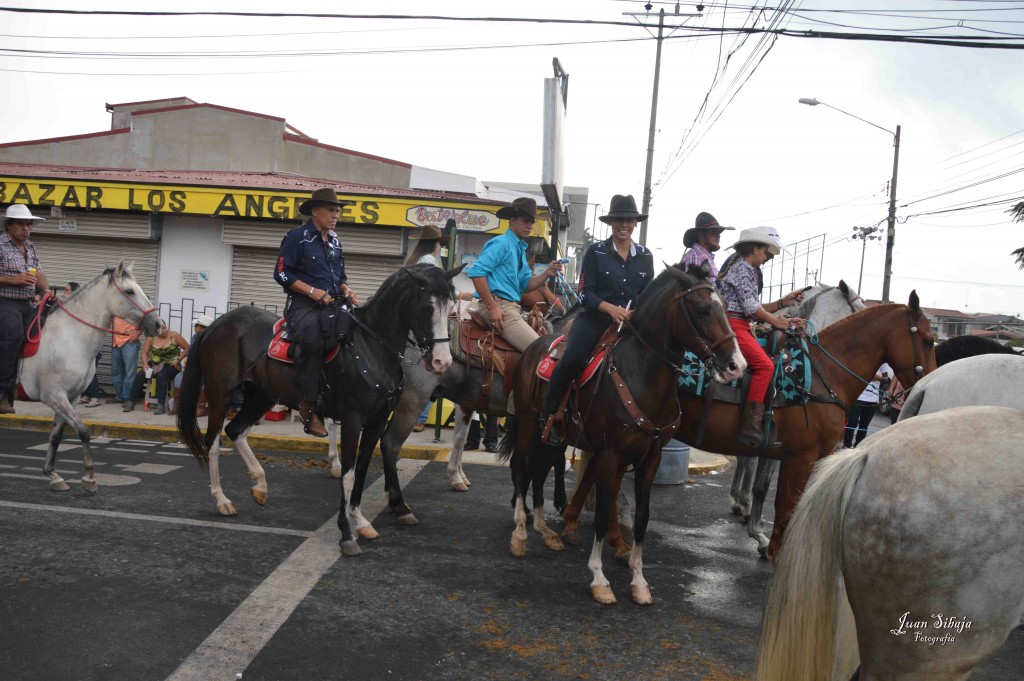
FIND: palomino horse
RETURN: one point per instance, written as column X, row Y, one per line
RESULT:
column 993, row 380
column 624, row 415
column 64, row 365
column 822, row 306
column 842, row 355
column 903, row 556
column 362, row 382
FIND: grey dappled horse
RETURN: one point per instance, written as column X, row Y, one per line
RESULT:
column 73, row 335
column 993, row 380
column 902, row 559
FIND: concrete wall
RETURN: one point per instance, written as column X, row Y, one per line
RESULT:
column 107, row 151
column 193, row 244
column 121, row 114
column 438, row 180
column 314, row 161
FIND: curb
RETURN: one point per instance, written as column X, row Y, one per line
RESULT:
column 717, row 466
column 299, row 445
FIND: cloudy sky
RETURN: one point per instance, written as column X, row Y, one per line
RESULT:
column 732, row 139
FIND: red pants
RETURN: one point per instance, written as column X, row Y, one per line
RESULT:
column 756, row 357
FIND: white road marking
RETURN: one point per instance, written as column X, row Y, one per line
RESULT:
column 154, row 518
column 232, row 646
column 154, row 468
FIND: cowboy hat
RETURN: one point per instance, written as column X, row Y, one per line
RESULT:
column 704, row 221
column 770, row 231
column 757, row 236
column 203, row 320
column 431, row 232
column 521, row 206
column 18, row 211
column 321, row 197
column 622, row 207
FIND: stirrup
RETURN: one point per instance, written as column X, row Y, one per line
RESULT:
column 553, row 434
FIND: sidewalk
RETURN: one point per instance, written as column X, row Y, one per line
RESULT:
column 109, row 421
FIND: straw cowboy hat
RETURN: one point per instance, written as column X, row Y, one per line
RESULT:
column 18, row 211
column 704, row 221
column 622, row 207
column 757, row 236
column 431, row 232
column 321, row 197
column 521, row 206
column 203, row 320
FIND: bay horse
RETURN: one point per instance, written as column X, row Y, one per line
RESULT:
column 65, row 363
column 903, row 556
column 625, row 414
column 362, row 382
column 462, row 385
column 844, row 356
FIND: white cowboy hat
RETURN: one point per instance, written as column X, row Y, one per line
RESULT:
column 758, row 236
column 203, row 320
column 770, row 231
column 18, row 211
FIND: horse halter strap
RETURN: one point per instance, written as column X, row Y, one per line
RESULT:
column 918, row 367
column 707, row 352
column 136, row 305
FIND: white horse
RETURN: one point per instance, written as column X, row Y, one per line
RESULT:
column 904, row 555
column 822, row 306
column 994, row 380
column 66, row 361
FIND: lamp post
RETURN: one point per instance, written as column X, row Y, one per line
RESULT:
column 863, row 233
column 890, row 237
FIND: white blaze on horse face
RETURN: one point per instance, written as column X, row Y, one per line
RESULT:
column 441, row 353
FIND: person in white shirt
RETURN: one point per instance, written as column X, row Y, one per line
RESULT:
column 861, row 413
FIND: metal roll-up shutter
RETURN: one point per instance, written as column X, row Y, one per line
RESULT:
column 354, row 238
column 69, row 257
column 252, row 281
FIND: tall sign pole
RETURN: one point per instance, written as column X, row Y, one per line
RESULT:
column 650, row 133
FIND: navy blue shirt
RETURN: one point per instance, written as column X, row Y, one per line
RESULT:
column 606, row 277
column 305, row 256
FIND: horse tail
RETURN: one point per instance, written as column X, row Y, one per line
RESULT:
column 507, row 446
column 191, row 385
column 912, row 405
column 807, row 630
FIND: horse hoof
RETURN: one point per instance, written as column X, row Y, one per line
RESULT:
column 367, row 532
column 227, row 509
column 59, row 486
column 336, row 472
column 407, row 519
column 350, row 548
column 571, row 537
column 259, row 496
column 603, row 594
column 553, row 543
column 465, row 481
column 89, row 486
column 518, row 547
column 460, row 486
column 641, row 595
column 735, row 509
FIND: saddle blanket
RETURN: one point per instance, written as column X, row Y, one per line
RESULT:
column 792, row 378
column 280, row 346
column 547, row 365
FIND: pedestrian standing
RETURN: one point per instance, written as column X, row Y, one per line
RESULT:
column 124, row 358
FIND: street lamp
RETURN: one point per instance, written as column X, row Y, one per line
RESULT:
column 891, row 232
column 863, row 233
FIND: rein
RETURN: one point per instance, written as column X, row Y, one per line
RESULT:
column 113, row 279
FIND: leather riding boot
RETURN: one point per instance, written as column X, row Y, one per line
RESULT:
column 752, row 425
column 552, row 432
column 312, row 423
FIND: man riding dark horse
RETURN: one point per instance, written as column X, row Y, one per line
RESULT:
column 311, row 268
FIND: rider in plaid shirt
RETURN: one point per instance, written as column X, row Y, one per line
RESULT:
column 701, row 241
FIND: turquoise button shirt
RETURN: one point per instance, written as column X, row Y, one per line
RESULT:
column 503, row 262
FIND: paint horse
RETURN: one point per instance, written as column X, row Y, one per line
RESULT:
column 62, row 368
column 903, row 556
column 842, row 355
column 362, row 382
column 624, row 415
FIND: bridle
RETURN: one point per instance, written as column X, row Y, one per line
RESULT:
column 113, row 279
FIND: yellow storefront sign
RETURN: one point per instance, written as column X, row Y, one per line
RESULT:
column 250, row 203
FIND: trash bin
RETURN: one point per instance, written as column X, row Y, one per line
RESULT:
column 675, row 464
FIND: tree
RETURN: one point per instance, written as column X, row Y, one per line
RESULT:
column 1017, row 212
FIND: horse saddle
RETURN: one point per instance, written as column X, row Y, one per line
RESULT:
column 35, row 327
column 791, row 380
column 480, row 346
column 281, row 346
column 547, row 365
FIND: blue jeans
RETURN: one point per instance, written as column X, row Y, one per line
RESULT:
column 123, row 361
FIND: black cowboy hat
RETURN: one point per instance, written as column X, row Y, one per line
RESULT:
column 321, row 197
column 521, row 206
column 431, row 232
column 622, row 207
column 703, row 221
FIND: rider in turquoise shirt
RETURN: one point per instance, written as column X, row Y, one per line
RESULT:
column 503, row 262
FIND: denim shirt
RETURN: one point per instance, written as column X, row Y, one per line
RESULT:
column 503, row 262
column 606, row 278
column 305, row 256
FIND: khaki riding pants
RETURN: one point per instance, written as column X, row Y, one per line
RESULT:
column 516, row 331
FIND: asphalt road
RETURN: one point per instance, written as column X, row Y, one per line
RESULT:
column 144, row 581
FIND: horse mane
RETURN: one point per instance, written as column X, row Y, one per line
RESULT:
column 427, row 277
column 959, row 347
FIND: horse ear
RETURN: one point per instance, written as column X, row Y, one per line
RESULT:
column 915, row 303
column 844, row 287
column 679, row 275
column 451, row 274
column 119, row 270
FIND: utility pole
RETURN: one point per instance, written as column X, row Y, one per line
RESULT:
column 890, row 236
column 863, row 233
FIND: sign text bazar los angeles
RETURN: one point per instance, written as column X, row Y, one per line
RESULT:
column 260, row 204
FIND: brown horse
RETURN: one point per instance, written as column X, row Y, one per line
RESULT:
column 843, row 353
column 625, row 414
